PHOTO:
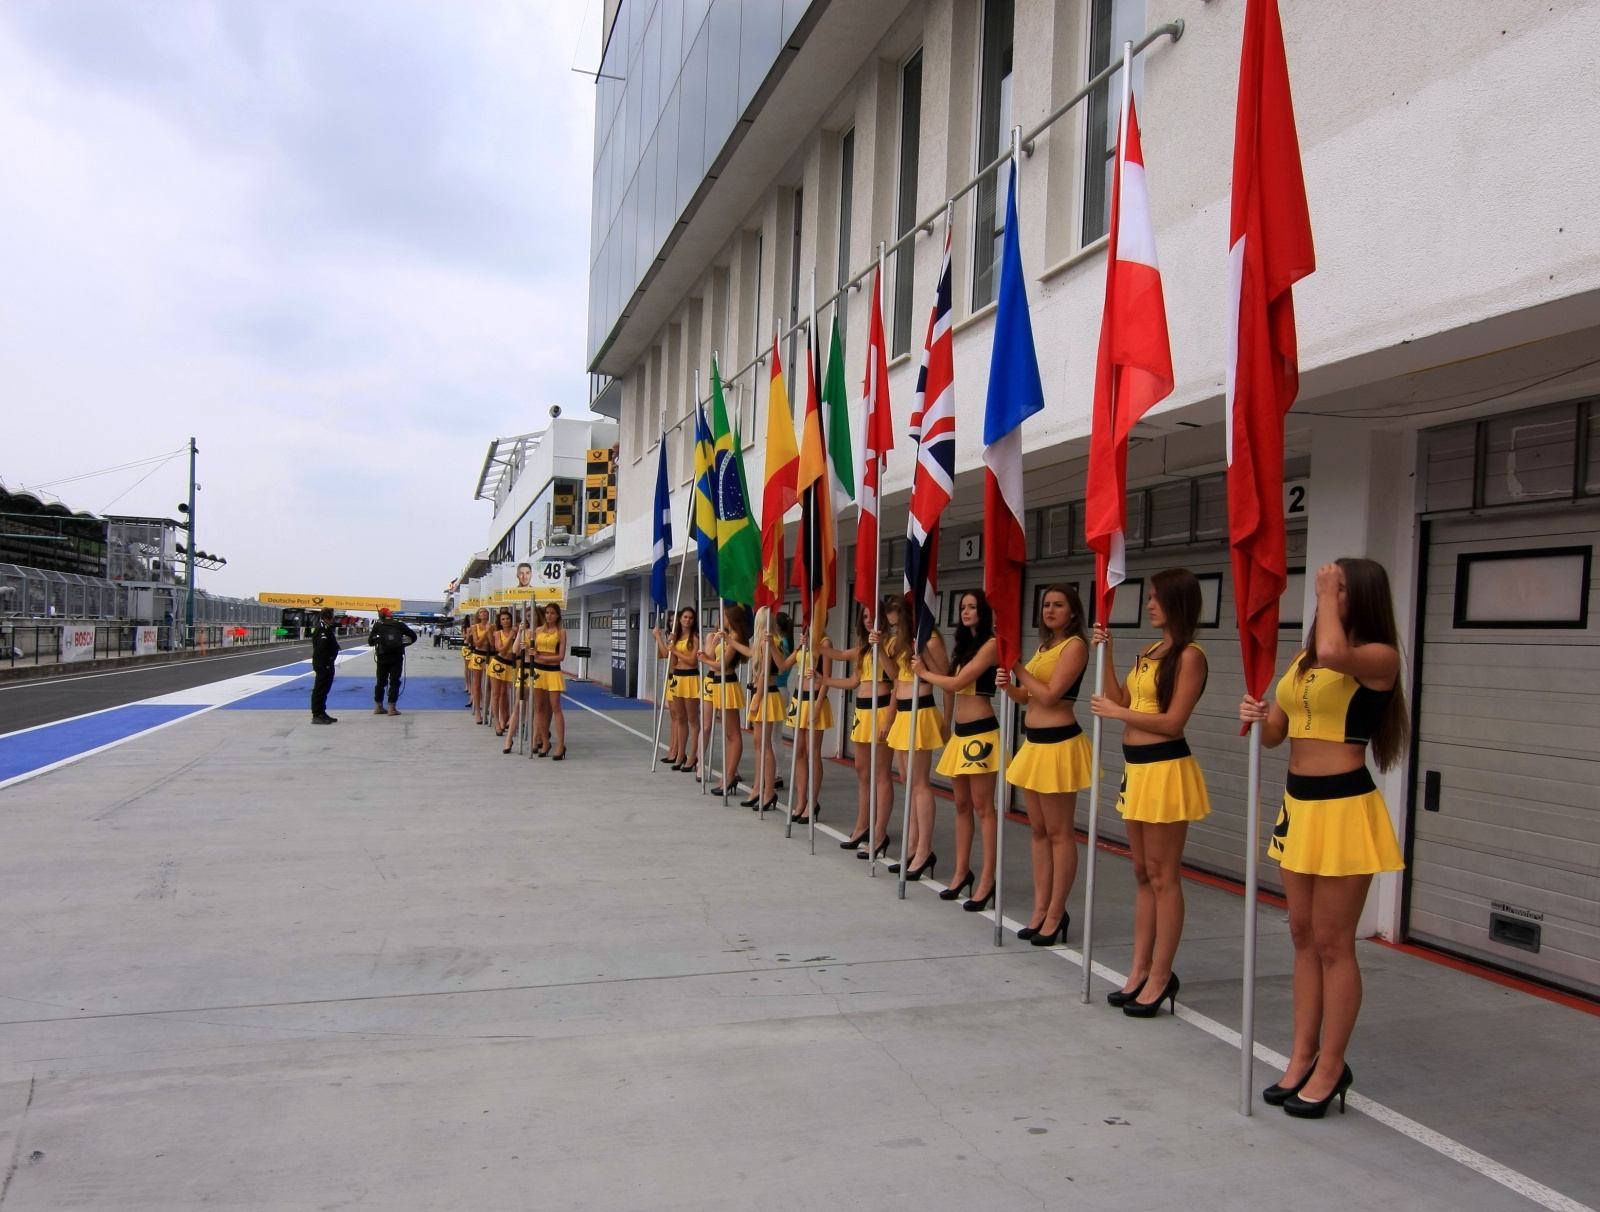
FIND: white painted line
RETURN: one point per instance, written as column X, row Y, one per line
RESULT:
column 1513, row 1180
column 207, row 697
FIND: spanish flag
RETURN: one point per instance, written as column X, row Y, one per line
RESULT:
column 778, row 493
column 814, row 563
column 738, row 544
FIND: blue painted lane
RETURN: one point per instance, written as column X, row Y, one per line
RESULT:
column 354, row 693
column 24, row 752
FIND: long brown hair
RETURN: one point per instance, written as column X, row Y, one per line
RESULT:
column 1177, row 591
column 679, row 632
column 1074, row 625
column 970, row 639
column 736, row 622
column 543, row 622
column 1369, row 619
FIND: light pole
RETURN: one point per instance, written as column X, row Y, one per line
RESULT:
column 188, row 610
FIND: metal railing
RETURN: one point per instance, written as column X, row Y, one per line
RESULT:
column 40, row 644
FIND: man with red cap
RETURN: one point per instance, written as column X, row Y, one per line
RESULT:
column 389, row 638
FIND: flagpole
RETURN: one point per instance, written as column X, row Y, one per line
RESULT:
column 911, row 765
column 877, row 560
column 1001, row 795
column 1100, row 655
column 666, row 662
column 761, row 711
column 794, row 748
column 813, row 762
column 703, row 742
column 1247, row 1022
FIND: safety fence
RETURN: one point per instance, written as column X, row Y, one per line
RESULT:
column 88, row 641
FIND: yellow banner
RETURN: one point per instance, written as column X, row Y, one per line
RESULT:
column 317, row 601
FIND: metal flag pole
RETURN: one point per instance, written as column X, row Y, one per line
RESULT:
column 1002, row 793
column 911, row 769
column 1247, row 1023
column 1100, row 656
column 813, row 758
column 722, row 694
column 794, row 749
column 702, row 742
column 877, row 656
column 666, row 662
column 763, row 729
column 677, row 599
column 1094, row 825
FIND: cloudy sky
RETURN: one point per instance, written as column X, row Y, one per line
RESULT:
column 341, row 242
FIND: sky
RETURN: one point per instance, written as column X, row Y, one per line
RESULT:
column 341, row 243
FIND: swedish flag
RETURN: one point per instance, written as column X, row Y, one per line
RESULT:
column 704, row 520
column 738, row 543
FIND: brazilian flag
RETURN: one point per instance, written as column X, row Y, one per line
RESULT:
column 738, row 543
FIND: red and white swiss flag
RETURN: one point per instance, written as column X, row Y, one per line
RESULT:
column 1269, row 249
column 1134, row 369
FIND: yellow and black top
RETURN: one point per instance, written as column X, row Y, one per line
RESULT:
column 1325, row 705
column 1142, row 694
column 546, row 644
column 984, row 685
column 684, row 648
column 1043, row 666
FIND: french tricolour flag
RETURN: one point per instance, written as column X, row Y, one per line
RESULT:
column 1015, row 393
column 1134, row 368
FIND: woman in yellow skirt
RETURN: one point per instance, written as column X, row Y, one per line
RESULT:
column 516, row 655
column 683, row 688
column 475, row 648
column 502, row 669
column 1341, row 694
column 766, row 703
column 1053, row 764
column 971, row 760
column 1162, row 786
column 874, row 699
column 723, row 695
column 549, row 650
column 916, row 757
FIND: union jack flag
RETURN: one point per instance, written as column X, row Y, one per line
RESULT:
column 933, row 426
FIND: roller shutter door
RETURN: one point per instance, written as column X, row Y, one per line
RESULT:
column 1506, row 830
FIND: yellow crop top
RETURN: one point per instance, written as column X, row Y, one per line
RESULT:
column 546, row 641
column 869, row 669
column 983, row 686
column 1326, row 705
column 1142, row 694
column 1042, row 665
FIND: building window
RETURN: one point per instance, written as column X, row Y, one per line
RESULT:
column 994, row 127
column 1111, row 23
column 847, row 176
column 906, row 200
column 1517, row 458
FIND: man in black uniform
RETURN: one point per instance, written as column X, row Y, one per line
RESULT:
column 389, row 638
column 324, row 647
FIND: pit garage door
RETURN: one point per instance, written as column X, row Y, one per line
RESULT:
column 1505, row 843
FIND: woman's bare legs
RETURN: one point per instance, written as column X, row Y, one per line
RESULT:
column 558, row 720
column 982, row 791
column 922, row 805
column 1057, row 809
column 1158, row 902
column 1323, row 913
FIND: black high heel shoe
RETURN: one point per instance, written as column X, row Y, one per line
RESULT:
column 770, row 806
column 1051, row 938
column 556, row 757
column 916, row 873
column 1302, row 1108
column 1119, row 999
column 1027, row 932
column 1138, row 1009
column 753, row 802
column 854, row 843
column 954, row 891
column 882, row 849
column 979, row 904
column 1277, row 1094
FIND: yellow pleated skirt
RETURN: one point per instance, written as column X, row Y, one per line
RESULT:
column 799, row 715
column 861, row 730
column 549, row 679
column 973, row 752
column 476, row 661
column 501, row 671
column 769, row 711
column 1162, row 792
column 1348, row 834
column 723, row 696
column 1054, row 767
column 683, row 685
column 930, row 728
